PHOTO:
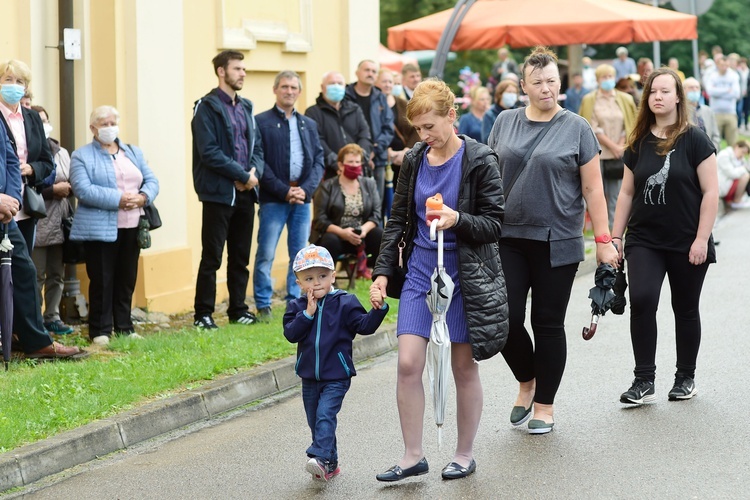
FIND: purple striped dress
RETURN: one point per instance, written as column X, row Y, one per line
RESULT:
column 414, row 316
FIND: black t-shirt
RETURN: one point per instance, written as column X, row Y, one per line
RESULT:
column 364, row 104
column 667, row 198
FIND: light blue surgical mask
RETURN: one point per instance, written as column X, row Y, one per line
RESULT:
column 12, row 93
column 335, row 92
column 694, row 96
column 509, row 99
column 607, row 84
column 398, row 90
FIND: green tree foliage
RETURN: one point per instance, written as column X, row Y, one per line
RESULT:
column 724, row 24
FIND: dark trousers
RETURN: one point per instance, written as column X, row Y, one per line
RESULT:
column 27, row 307
column 339, row 247
column 28, row 230
column 112, row 268
column 323, row 402
column 233, row 226
column 646, row 270
column 526, row 265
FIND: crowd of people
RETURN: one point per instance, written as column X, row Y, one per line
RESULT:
column 516, row 178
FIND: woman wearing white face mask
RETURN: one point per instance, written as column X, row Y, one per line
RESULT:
column 113, row 183
column 26, row 133
column 506, row 97
column 611, row 114
column 48, row 247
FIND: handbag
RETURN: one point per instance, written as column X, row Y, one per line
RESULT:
column 539, row 137
column 144, row 235
column 152, row 217
column 33, row 203
column 613, row 169
column 73, row 251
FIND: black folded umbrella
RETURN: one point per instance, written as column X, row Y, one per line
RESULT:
column 601, row 296
column 6, row 296
column 621, row 284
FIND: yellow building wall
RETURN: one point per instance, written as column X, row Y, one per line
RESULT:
column 151, row 59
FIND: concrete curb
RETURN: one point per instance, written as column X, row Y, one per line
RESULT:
column 27, row 464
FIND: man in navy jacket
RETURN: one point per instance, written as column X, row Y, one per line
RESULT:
column 227, row 162
column 293, row 169
column 378, row 114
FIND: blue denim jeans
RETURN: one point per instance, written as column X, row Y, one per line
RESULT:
column 322, row 404
column 273, row 218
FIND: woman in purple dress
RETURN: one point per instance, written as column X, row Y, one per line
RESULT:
column 465, row 172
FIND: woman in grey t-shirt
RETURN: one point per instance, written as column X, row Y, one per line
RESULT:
column 542, row 237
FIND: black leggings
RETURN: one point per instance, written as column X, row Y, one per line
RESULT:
column 646, row 270
column 526, row 264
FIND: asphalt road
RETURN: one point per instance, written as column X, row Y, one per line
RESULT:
column 599, row 448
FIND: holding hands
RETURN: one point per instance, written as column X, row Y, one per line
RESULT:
column 377, row 292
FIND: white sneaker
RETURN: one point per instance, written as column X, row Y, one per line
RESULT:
column 101, row 340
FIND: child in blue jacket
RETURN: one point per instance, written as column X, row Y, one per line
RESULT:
column 323, row 324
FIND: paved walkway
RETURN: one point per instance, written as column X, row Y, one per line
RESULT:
column 599, row 449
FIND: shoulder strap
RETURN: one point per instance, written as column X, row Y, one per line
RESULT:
column 531, row 149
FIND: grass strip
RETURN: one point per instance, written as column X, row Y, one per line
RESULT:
column 42, row 399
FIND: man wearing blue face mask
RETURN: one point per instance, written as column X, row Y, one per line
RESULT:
column 340, row 122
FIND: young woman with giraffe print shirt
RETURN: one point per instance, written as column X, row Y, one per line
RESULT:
column 667, row 203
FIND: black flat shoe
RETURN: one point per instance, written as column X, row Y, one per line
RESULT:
column 396, row 473
column 457, row 471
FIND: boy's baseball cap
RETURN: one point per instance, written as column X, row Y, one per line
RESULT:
column 313, row 256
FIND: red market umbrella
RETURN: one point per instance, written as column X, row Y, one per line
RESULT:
column 490, row 24
column 393, row 60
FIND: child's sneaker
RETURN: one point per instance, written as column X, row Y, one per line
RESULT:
column 322, row 470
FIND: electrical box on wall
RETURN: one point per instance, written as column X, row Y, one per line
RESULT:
column 72, row 43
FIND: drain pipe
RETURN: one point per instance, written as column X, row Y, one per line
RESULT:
column 73, row 306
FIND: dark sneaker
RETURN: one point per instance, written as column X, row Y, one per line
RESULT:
column 58, row 327
column 641, row 392
column 322, row 470
column 247, row 318
column 205, row 323
column 684, row 388
column 264, row 315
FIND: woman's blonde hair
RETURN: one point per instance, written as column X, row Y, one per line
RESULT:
column 431, row 95
column 476, row 91
column 18, row 69
column 103, row 112
column 604, row 69
column 350, row 149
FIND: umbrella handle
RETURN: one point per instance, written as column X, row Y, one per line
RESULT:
column 434, row 233
column 588, row 332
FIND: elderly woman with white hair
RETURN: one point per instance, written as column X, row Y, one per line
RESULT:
column 113, row 183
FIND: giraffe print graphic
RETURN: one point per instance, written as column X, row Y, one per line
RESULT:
column 658, row 179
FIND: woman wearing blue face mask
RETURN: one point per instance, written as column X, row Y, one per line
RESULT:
column 113, row 183
column 26, row 133
column 611, row 114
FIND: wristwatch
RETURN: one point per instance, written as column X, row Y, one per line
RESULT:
column 605, row 238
